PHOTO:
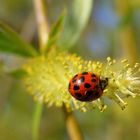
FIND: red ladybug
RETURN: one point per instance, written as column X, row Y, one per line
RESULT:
column 87, row 86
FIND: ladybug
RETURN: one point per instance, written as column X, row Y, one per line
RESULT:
column 87, row 86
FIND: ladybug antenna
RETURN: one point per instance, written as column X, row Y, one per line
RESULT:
column 103, row 83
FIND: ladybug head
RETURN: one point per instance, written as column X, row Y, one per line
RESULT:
column 103, row 83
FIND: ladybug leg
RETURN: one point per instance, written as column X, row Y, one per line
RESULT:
column 103, row 83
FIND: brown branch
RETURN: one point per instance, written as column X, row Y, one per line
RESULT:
column 73, row 127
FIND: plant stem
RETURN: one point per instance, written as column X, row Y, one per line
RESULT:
column 43, row 31
column 42, row 22
column 73, row 128
column 36, row 120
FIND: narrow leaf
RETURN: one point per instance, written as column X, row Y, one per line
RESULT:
column 10, row 42
column 18, row 73
column 55, row 31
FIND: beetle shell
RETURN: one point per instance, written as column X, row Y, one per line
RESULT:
column 86, row 86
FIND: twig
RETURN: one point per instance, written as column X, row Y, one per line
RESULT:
column 73, row 127
column 42, row 23
column 43, row 31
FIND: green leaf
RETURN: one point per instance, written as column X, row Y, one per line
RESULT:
column 75, row 22
column 10, row 42
column 18, row 73
column 55, row 31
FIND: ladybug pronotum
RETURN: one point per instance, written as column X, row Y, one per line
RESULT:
column 87, row 86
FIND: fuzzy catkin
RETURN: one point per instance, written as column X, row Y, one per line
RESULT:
column 48, row 78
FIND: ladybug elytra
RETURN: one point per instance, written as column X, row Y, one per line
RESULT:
column 87, row 86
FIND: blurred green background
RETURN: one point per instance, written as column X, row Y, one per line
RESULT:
column 113, row 30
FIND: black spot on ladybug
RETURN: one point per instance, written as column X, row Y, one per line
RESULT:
column 89, row 93
column 93, row 75
column 78, row 95
column 76, row 87
column 93, row 80
column 74, row 80
column 84, row 73
column 69, row 85
column 82, row 79
column 87, row 85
